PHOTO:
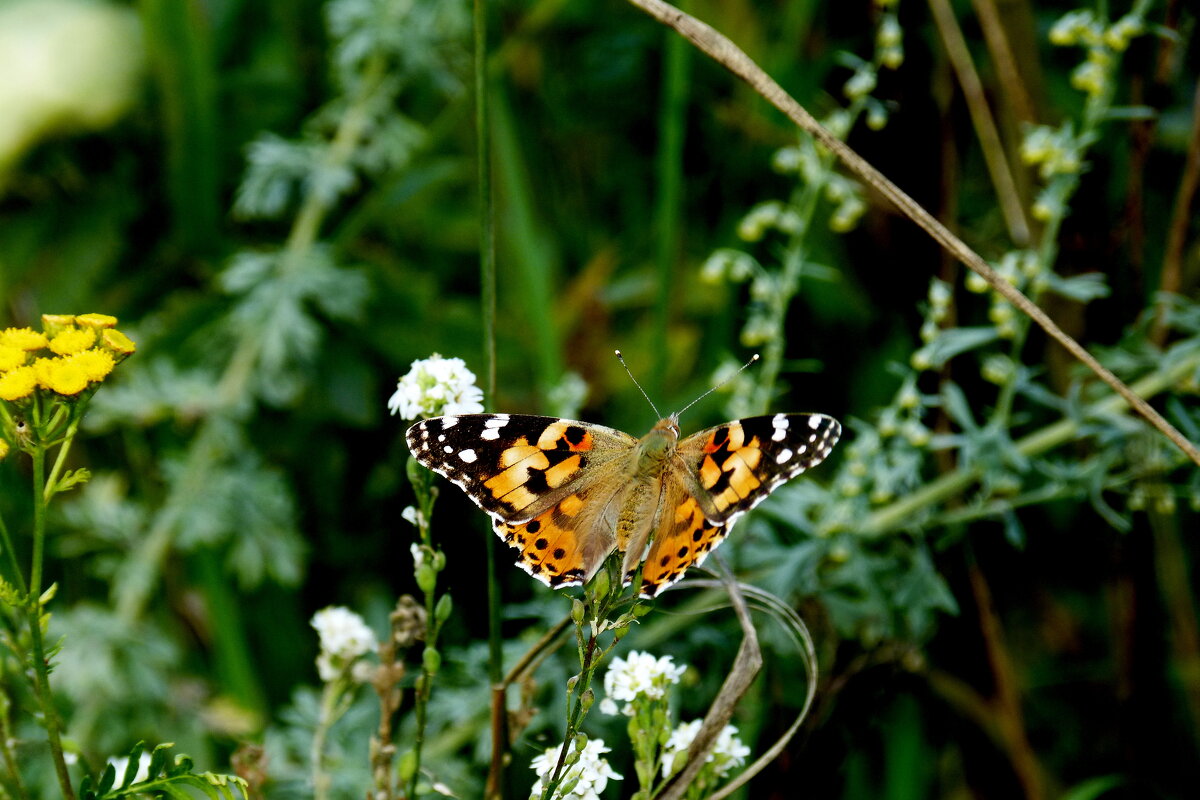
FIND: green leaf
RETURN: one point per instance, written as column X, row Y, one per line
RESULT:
column 183, row 765
column 158, row 759
column 107, row 779
column 131, row 768
column 954, row 341
column 1093, row 787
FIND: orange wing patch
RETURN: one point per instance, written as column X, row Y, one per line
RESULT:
column 550, row 544
column 729, row 465
column 528, row 471
column 684, row 539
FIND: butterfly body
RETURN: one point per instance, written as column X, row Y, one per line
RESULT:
column 566, row 494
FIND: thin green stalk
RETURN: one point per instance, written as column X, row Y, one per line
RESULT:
column 328, row 716
column 487, row 209
column 427, row 580
column 14, row 565
column 668, row 211
column 6, row 742
column 576, row 710
column 33, row 609
column 487, row 280
column 530, row 251
column 39, row 520
column 61, row 459
column 424, row 690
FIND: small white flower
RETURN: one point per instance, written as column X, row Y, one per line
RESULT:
column 121, row 763
column 435, row 386
column 638, row 675
column 411, row 515
column 592, row 770
column 343, row 633
column 418, row 554
column 729, row 752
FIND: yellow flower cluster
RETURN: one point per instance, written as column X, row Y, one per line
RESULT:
column 70, row 354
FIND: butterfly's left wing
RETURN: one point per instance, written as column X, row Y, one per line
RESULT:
column 722, row 473
column 736, row 465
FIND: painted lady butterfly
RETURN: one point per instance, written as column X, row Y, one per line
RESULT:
column 567, row 493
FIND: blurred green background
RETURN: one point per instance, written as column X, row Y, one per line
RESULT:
column 168, row 162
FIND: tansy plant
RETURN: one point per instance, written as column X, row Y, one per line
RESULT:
column 47, row 378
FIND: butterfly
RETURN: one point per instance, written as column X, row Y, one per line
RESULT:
column 566, row 493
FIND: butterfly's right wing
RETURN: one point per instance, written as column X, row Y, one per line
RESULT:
column 548, row 484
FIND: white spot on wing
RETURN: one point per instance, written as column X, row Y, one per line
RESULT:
column 448, row 449
column 783, row 456
column 490, row 433
column 814, row 422
column 442, row 437
column 468, row 456
column 449, row 422
column 781, row 425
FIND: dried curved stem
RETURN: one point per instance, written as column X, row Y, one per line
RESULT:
column 727, row 54
column 745, row 668
column 785, row 614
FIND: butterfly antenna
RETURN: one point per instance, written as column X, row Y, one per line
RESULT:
column 635, row 383
column 753, row 358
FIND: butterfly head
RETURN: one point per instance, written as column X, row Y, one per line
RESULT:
column 657, row 446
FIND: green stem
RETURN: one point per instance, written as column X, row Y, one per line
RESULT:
column 33, row 609
column 328, row 716
column 907, row 509
column 669, row 206
column 61, row 458
column 14, row 565
column 575, row 712
column 487, row 280
column 39, row 520
column 6, row 741
column 424, row 686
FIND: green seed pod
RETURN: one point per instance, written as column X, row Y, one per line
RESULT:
column 601, row 584
column 443, row 609
column 426, row 578
column 431, row 659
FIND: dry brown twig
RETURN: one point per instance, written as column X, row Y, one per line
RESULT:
column 719, row 48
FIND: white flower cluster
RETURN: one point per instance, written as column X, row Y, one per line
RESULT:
column 435, row 386
column 343, row 636
column 590, row 774
column 637, row 675
column 728, row 753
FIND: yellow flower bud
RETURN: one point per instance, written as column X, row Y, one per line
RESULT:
column 54, row 323
column 18, row 383
column 72, row 340
column 96, row 321
column 120, row 344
